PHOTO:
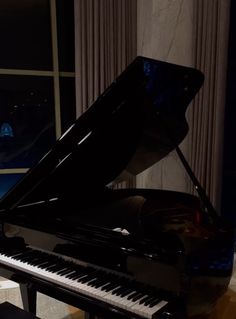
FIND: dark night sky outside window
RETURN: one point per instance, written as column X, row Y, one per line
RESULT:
column 37, row 87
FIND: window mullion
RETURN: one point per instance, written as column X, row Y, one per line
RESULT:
column 56, row 78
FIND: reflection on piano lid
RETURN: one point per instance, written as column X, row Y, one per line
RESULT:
column 171, row 245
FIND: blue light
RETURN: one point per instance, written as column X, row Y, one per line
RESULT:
column 6, row 130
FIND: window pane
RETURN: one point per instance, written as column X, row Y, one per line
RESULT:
column 7, row 181
column 68, row 108
column 65, row 30
column 25, row 34
column 27, row 128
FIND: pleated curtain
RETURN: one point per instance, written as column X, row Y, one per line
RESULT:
column 211, row 22
column 105, row 43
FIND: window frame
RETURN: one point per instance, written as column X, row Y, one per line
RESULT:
column 56, row 74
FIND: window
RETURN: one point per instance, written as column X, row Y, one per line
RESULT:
column 37, row 87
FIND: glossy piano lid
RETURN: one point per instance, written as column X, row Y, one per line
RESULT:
column 137, row 121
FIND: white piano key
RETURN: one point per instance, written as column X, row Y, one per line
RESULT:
column 156, row 308
column 84, row 288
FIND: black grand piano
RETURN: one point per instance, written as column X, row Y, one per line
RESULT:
column 119, row 253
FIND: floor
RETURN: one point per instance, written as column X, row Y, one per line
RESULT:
column 226, row 305
column 47, row 308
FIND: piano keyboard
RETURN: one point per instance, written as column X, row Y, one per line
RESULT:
column 91, row 281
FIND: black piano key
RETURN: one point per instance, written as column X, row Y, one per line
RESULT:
column 72, row 272
column 100, row 283
column 133, row 295
column 95, row 282
column 83, row 271
column 59, row 270
column 44, row 264
column 107, row 286
column 26, row 254
column 90, row 283
column 126, row 292
column 72, row 275
column 154, row 302
column 76, row 275
column 47, row 266
column 102, row 278
column 66, row 267
column 88, row 277
column 123, row 289
column 137, row 297
column 118, row 290
column 114, row 292
column 10, row 253
column 81, row 277
column 62, row 264
column 55, row 268
column 148, row 301
column 64, row 272
column 36, row 261
column 142, row 301
column 20, row 255
column 110, row 287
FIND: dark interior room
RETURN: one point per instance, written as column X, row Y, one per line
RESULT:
column 117, row 159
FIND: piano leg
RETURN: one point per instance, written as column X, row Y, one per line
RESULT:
column 88, row 315
column 29, row 298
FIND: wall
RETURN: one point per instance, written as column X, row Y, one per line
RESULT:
column 165, row 32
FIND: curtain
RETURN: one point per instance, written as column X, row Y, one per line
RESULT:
column 105, row 43
column 211, row 22
column 165, row 32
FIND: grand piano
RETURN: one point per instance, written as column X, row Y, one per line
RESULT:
column 119, row 253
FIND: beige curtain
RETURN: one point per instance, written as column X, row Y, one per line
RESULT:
column 211, row 21
column 105, row 43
